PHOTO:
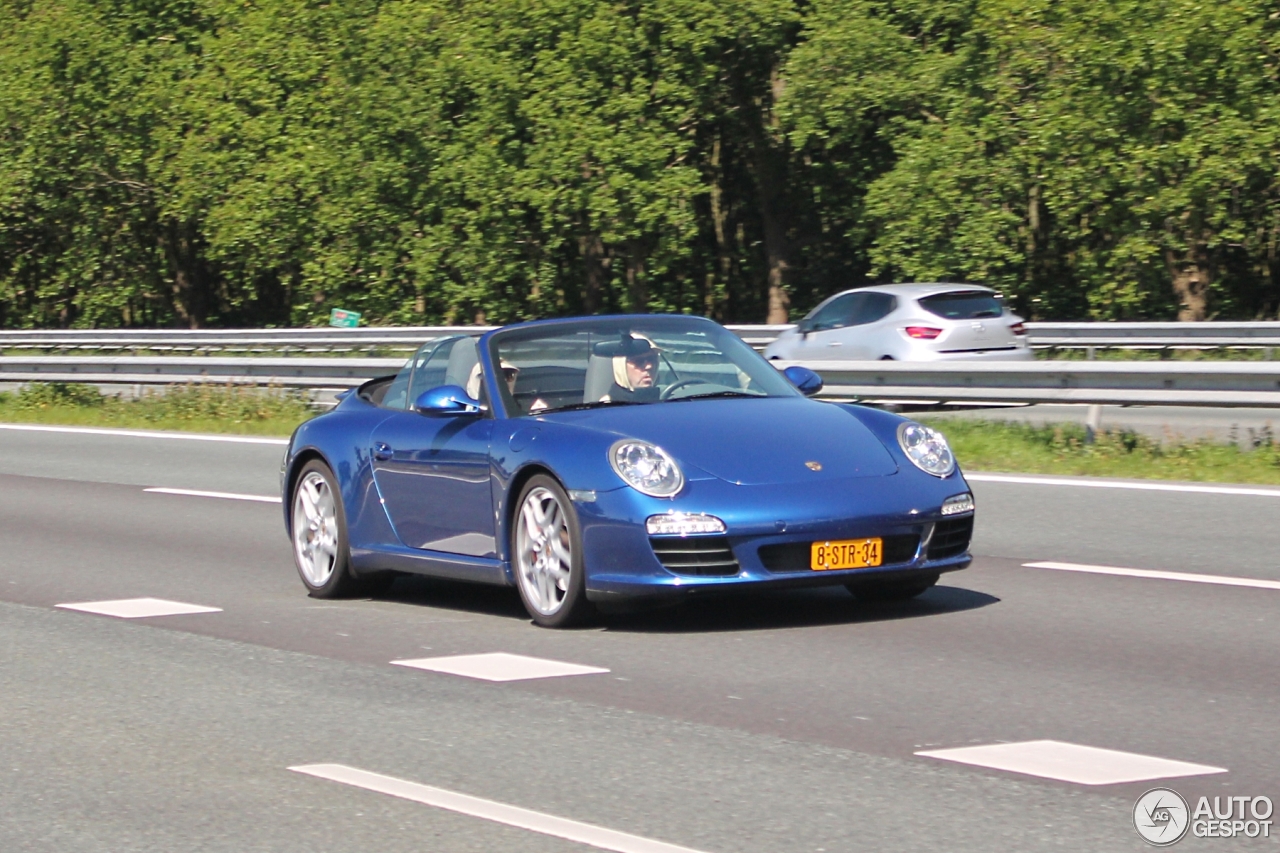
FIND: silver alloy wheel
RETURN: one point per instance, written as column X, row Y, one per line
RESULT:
column 544, row 555
column 315, row 529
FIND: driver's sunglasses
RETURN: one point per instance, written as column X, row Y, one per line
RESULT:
column 645, row 363
column 509, row 373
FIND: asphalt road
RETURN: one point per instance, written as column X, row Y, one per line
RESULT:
column 779, row 723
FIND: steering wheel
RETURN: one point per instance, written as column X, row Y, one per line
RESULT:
column 671, row 389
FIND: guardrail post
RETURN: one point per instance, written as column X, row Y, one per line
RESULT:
column 1093, row 420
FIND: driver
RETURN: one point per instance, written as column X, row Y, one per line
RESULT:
column 635, row 372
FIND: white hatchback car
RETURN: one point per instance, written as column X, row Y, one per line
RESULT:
column 907, row 322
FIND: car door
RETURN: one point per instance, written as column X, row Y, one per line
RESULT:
column 433, row 472
column 823, row 331
column 840, row 328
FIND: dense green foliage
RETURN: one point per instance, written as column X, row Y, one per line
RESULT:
column 257, row 162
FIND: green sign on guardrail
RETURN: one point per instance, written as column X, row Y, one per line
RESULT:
column 344, row 319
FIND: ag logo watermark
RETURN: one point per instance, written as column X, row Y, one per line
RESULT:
column 1162, row 817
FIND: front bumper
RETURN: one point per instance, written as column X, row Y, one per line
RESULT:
column 769, row 531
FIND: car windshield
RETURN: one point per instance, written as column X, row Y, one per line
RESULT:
column 963, row 304
column 628, row 361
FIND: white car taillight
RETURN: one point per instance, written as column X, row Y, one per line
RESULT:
column 925, row 333
column 1018, row 328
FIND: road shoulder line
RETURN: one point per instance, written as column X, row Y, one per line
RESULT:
column 1187, row 577
column 1147, row 486
column 143, row 433
column 521, row 818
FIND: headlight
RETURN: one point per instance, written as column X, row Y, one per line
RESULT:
column 646, row 468
column 927, row 449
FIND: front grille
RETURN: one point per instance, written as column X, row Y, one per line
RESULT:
column 695, row 555
column 951, row 538
column 796, row 556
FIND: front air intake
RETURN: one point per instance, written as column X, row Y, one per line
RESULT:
column 951, row 537
column 695, row 555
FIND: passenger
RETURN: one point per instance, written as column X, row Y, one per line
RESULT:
column 510, row 373
column 635, row 372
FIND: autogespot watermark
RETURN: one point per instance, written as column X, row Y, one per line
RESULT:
column 1162, row 817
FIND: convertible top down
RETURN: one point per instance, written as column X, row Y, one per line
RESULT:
column 617, row 457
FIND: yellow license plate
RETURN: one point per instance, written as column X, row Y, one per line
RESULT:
column 846, row 554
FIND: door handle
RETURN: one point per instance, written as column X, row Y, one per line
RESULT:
column 835, row 343
column 382, row 451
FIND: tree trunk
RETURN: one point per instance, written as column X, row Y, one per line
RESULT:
column 769, row 163
column 189, row 287
column 1189, row 272
column 637, row 287
column 591, row 247
column 719, row 220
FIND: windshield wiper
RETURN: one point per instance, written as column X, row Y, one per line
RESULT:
column 711, row 394
column 578, row 406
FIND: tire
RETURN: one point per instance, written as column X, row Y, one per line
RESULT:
column 891, row 590
column 546, row 555
column 321, row 551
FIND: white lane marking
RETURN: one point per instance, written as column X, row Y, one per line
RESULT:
column 1220, row 580
column 1113, row 484
column 1071, row 762
column 572, row 830
column 231, row 496
column 139, row 433
column 499, row 666
column 139, row 608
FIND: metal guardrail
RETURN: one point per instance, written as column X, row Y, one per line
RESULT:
column 1216, row 384
column 300, row 340
column 149, row 370
column 1220, row 383
column 402, row 338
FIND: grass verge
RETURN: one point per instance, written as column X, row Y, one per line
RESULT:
column 979, row 445
column 1062, row 449
column 191, row 408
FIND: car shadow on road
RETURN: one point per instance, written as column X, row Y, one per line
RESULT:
column 749, row 611
column 478, row 598
column 764, row 611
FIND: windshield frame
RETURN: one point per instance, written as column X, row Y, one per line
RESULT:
column 607, row 326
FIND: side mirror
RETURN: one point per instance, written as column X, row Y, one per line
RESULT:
column 805, row 326
column 446, row 400
column 805, row 380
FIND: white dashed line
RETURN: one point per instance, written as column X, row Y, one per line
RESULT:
column 230, row 496
column 559, row 827
column 139, row 608
column 1070, row 762
column 499, row 666
column 1122, row 484
column 140, row 433
column 1187, row 577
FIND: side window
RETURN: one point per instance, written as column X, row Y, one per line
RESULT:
column 432, row 371
column 874, row 306
column 424, row 371
column 836, row 313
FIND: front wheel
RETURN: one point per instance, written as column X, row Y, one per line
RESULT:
column 320, row 549
column 891, row 590
column 546, row 554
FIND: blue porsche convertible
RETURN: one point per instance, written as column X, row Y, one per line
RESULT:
column 618, row 458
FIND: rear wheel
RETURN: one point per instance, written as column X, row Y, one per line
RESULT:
column 891, row 590
column 546, row 555
column 320, row 549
